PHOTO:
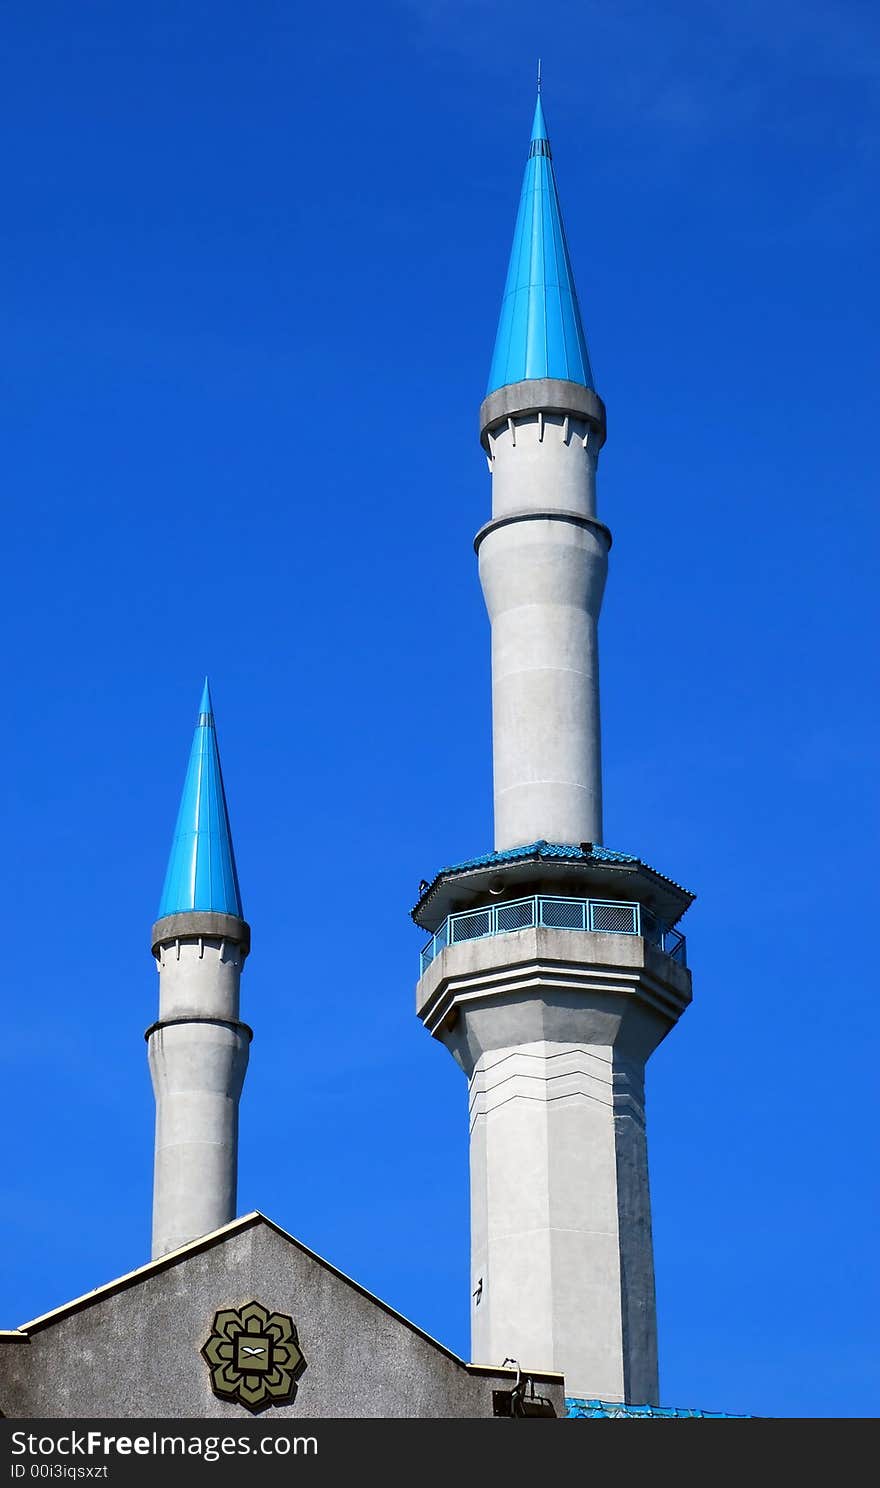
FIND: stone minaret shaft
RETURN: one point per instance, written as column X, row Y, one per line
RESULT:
column 543, row 560
column 198, row 1049
column 553, row 971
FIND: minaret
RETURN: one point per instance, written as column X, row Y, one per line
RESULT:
column 553, row 968
column 198, row 1049
column 543, row 557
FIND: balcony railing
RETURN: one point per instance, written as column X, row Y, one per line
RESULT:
column 607, row 916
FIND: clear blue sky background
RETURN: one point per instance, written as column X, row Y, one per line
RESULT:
column 253, row 257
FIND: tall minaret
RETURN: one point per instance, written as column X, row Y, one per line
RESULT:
column 553, row 968
column 198, row 1049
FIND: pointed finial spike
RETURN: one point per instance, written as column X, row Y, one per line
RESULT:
column 205, row 706
column 539, row 74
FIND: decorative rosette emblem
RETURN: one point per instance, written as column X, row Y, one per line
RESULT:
column 254, row 1357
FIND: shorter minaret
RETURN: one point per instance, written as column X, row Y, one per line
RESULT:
column 198, row 1049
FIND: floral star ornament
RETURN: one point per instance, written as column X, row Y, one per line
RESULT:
column 254, row 1357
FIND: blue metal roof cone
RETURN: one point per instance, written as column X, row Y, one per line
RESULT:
column 201, row 869
column 540, row 333
column 539, row 128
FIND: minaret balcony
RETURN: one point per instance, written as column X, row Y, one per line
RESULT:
column 556, row 912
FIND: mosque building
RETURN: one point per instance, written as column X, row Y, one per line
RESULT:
column 553, row 966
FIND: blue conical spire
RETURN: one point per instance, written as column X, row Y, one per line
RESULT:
column 540, row 332
column 201, row 869
column 539, row 128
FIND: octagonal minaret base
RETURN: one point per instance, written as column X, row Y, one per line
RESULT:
column 198, row 1055
column 553, row 1029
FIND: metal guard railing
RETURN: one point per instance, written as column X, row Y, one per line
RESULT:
column 608, row 916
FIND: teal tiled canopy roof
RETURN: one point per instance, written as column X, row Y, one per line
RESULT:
column 594, row 854
column 540, row 333
column 587, row 852
column 604, row 1410
column 201, row 869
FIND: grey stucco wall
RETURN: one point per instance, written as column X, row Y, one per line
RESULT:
column 136, row 1352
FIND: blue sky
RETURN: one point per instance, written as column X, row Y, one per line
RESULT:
column 252, row 263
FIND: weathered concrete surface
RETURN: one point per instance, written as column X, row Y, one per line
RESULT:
column 549, row 395
column 553, row 1029
column 210, row 922
column 198, row 1055
column 133, row 1348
